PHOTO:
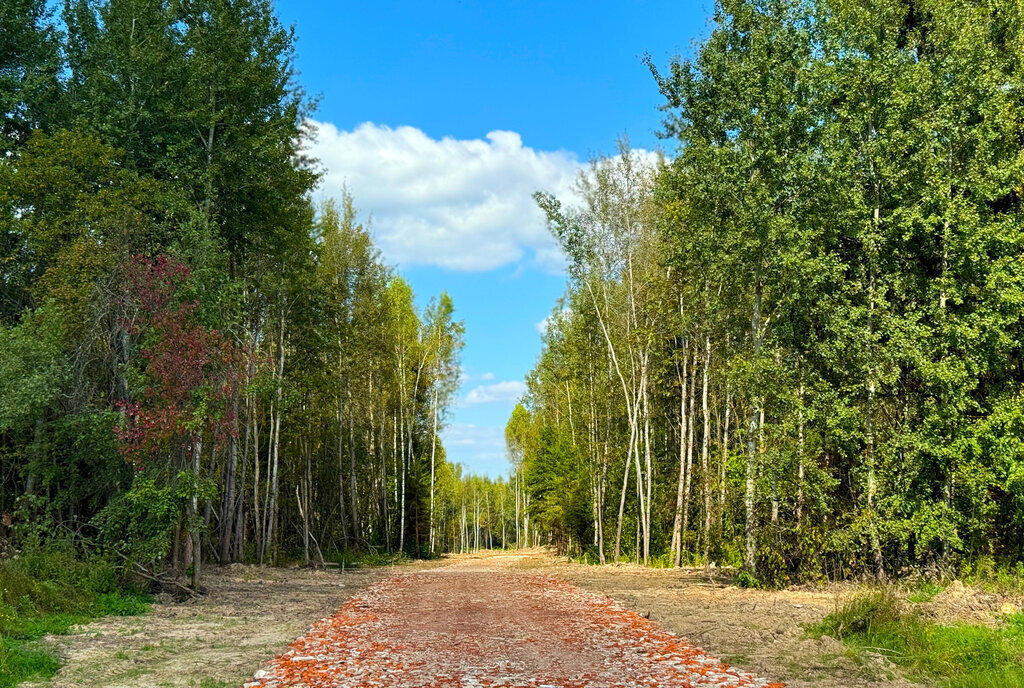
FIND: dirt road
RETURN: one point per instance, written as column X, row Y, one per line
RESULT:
column 488, row 623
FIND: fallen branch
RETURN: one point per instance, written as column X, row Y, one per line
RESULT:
column 140, row 570
column 167, row 582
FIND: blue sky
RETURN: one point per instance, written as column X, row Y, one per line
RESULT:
column 443, row 117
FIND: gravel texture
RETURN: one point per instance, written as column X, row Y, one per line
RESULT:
column 485, row 623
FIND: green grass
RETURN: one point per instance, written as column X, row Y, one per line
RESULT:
column 925, row 592
column 954, row 656
column 18, row 662
column 215, row 683
column 48, row 593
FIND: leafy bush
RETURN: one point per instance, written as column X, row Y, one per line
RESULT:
column 745, row 580
column 772, row 570
column 47, row 591
column 138, row 525
column 986, row 572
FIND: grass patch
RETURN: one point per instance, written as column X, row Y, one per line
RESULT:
column 954, row 656
column 925, row 593
column 48, row 593
column 18, row 662
column 215, row 683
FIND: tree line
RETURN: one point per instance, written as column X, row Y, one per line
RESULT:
column 200, row 364
column 797, row 345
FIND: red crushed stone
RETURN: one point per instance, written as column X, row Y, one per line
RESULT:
column 488, row 627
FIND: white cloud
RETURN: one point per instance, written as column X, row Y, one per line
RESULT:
column 506, row 391
column 480, row 449
column 482, row 438
column 463, row 204
column 487, row 376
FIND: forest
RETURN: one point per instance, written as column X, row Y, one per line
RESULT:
column 791, row 344
column 790, row 350
column 794, row 344
column 200, row 364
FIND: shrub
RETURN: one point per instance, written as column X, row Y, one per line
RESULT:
column 745, row 580
column 47, row 591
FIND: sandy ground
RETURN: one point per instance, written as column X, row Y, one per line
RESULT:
column 765, row 631
column 252, row 614
column 249, row 614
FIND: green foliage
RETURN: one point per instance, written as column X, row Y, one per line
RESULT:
column 560, row 503
column 19, row 661
column 32, row 368
column 924, row 592
column 137, row 527
column 47, row 591
column 745, row 580
column 29, row 67
column 831, row 261
column 194, row 353
column 956, row 655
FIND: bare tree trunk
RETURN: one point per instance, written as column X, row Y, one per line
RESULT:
column 353, row 502
column 342, row 509
column 526, row 517
column 394, row 458
column 273, row 507
column 636, row 550
column 257, row 514
column 639, row 477
column 401, row 525
column 519, row 540
column 197, row 554
column 750, row 528
column 302, row 501
column 208, row 503
column 265, row 525
column 800, row 455
column 722, row 464
column 677, row 525
column 650, row 472
column 705, row 448
column 433, row 450
column 876, row 548
column 240, row 521
column 463, row 544
column 228, row 504
column 600, row 504
column 622, row 494
column 687, row 488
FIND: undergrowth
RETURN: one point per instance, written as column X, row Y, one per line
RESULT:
column 48, row 592
column 953, row 656
column 357, row 559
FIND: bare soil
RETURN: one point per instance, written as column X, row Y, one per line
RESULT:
column 489, row 603
column 765, row 631
column 249, row 614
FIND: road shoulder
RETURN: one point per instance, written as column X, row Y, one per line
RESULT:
column 249, row 614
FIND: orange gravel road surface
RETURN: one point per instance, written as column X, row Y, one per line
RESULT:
column 484, row 624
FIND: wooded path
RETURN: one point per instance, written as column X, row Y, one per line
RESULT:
column 487, row 623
